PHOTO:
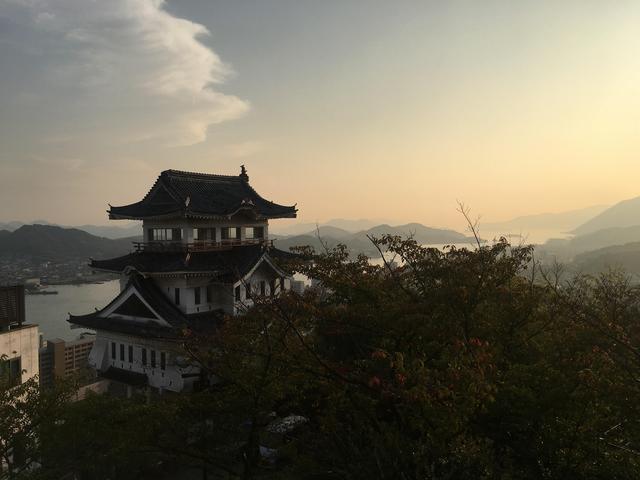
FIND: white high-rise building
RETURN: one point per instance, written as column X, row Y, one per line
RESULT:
column 19, row 341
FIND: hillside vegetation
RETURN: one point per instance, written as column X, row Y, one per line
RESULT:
column 54, row 243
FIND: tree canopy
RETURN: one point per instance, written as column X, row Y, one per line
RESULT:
column 440, row 364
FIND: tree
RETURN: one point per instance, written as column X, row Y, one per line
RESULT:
column 447, row 363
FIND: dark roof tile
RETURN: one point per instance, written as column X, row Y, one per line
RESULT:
column 201, row 195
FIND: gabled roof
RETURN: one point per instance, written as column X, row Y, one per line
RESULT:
column 160, row 317
column 200, row 195
column 224, row 265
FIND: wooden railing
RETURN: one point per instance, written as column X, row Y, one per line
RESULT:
column 197, row 246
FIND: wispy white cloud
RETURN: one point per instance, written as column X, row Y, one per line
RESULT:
column 136, row 71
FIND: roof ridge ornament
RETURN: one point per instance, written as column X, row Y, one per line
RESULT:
column 243, row 174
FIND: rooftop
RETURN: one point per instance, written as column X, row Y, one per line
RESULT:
column 201, row 195
column 225, row 265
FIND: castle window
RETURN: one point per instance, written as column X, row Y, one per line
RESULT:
column 161, row 234
column 238, row 294
column 263, row 287
column 130, row 353
column 144, row 356
column 196, row 295
column 254, row 232
column 122, row 352
column 176, row 296
column 163, row 361
column 204, row 234
column 230, row 233
column 209, row 293
column 272, row 287
column 113, row 350
column 153, row 359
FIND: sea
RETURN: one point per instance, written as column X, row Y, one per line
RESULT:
column 50, row 312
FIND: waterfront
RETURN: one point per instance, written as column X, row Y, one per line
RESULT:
column 51, row 312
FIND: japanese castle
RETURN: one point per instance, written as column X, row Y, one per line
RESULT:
column 205, row 253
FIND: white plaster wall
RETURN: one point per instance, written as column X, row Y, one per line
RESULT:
column 222, row 295
column 262, row 273
column 168, row 379
column 22, row 342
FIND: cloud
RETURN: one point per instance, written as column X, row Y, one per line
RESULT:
column 117, row 70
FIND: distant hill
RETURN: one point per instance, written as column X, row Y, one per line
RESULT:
column 112, row 231
column 567, row 248
column 359, row 243
column 351, row 226
column 561, row 222
column 625, row 257
column 622, row 214
column 109, row 231
column 55, row 243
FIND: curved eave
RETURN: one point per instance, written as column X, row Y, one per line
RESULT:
column 148, row 329
column 287, row 212
column 132, row 216
column 151, row 273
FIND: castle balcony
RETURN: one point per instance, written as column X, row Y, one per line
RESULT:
column 198, row 246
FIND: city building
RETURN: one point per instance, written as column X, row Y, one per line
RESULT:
column 61, row 359
column 19, row 341
column 205, row 253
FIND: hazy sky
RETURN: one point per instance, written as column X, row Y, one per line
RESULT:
column 379, row 109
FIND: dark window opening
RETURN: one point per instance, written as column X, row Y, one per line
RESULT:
column 130, row 353
column 11, row 369
column 153, row 359
column 263, row 287
column 196, row 295
column 204, row 234
column 163, row 361
column 238, row 297
column 122, row 352
column 282, row 284
column 209, row 293
column 113, row 350
column 272, row 287
column 144, row 356
column 176, row 296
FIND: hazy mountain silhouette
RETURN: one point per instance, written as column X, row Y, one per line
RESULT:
column 359, row 242
column 622, row 214
column 351, row 226
column 565, row 249
column 561, row 222
column 108, row 231
column 53, row 243
column 625, row 257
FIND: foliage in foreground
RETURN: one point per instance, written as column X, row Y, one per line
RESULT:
column 458, row 364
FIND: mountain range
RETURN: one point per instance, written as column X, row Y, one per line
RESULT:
column 108, row 231
column 560, row 222
column 48, row 242
column 359, row 242
column 601, row 236
column 622, row 214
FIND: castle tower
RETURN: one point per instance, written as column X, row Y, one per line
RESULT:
column 205, row 253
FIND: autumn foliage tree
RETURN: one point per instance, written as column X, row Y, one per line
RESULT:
column 433, row 364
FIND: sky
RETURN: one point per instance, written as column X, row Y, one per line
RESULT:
column 351, row 109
